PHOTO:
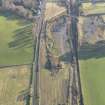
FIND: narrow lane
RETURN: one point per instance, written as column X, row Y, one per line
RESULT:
column 39, row 23
column 75, row 85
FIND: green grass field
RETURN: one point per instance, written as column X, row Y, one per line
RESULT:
column 89, row 8
column 93, row 81
column 19, row 53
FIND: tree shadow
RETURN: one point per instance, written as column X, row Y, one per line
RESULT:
column 22, row 38
column 10, row 16
column 67, row 57
column 96, row 50
column 87, row 51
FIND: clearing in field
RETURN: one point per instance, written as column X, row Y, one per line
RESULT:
column 15, row 40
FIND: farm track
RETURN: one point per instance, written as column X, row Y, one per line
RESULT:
column 36, row 62
column 75, row 82
column 9, row 66
column 36, row 66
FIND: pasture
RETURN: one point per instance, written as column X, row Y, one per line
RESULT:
column 15, row 40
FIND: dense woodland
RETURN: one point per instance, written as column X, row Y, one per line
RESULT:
column 20, row 7
column 24, row 8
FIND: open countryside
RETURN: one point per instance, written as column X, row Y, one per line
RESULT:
column 52, row 52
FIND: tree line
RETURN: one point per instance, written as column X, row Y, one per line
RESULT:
column 20, row 7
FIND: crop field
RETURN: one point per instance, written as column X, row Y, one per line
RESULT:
column 15, row 41
column 13, row 81
column 54, row 86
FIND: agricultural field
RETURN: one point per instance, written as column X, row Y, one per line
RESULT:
column 15, row 40
column 89, row 8
column 92, row 63
column 93, row 81
column 13, row 81
column 54, row 86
